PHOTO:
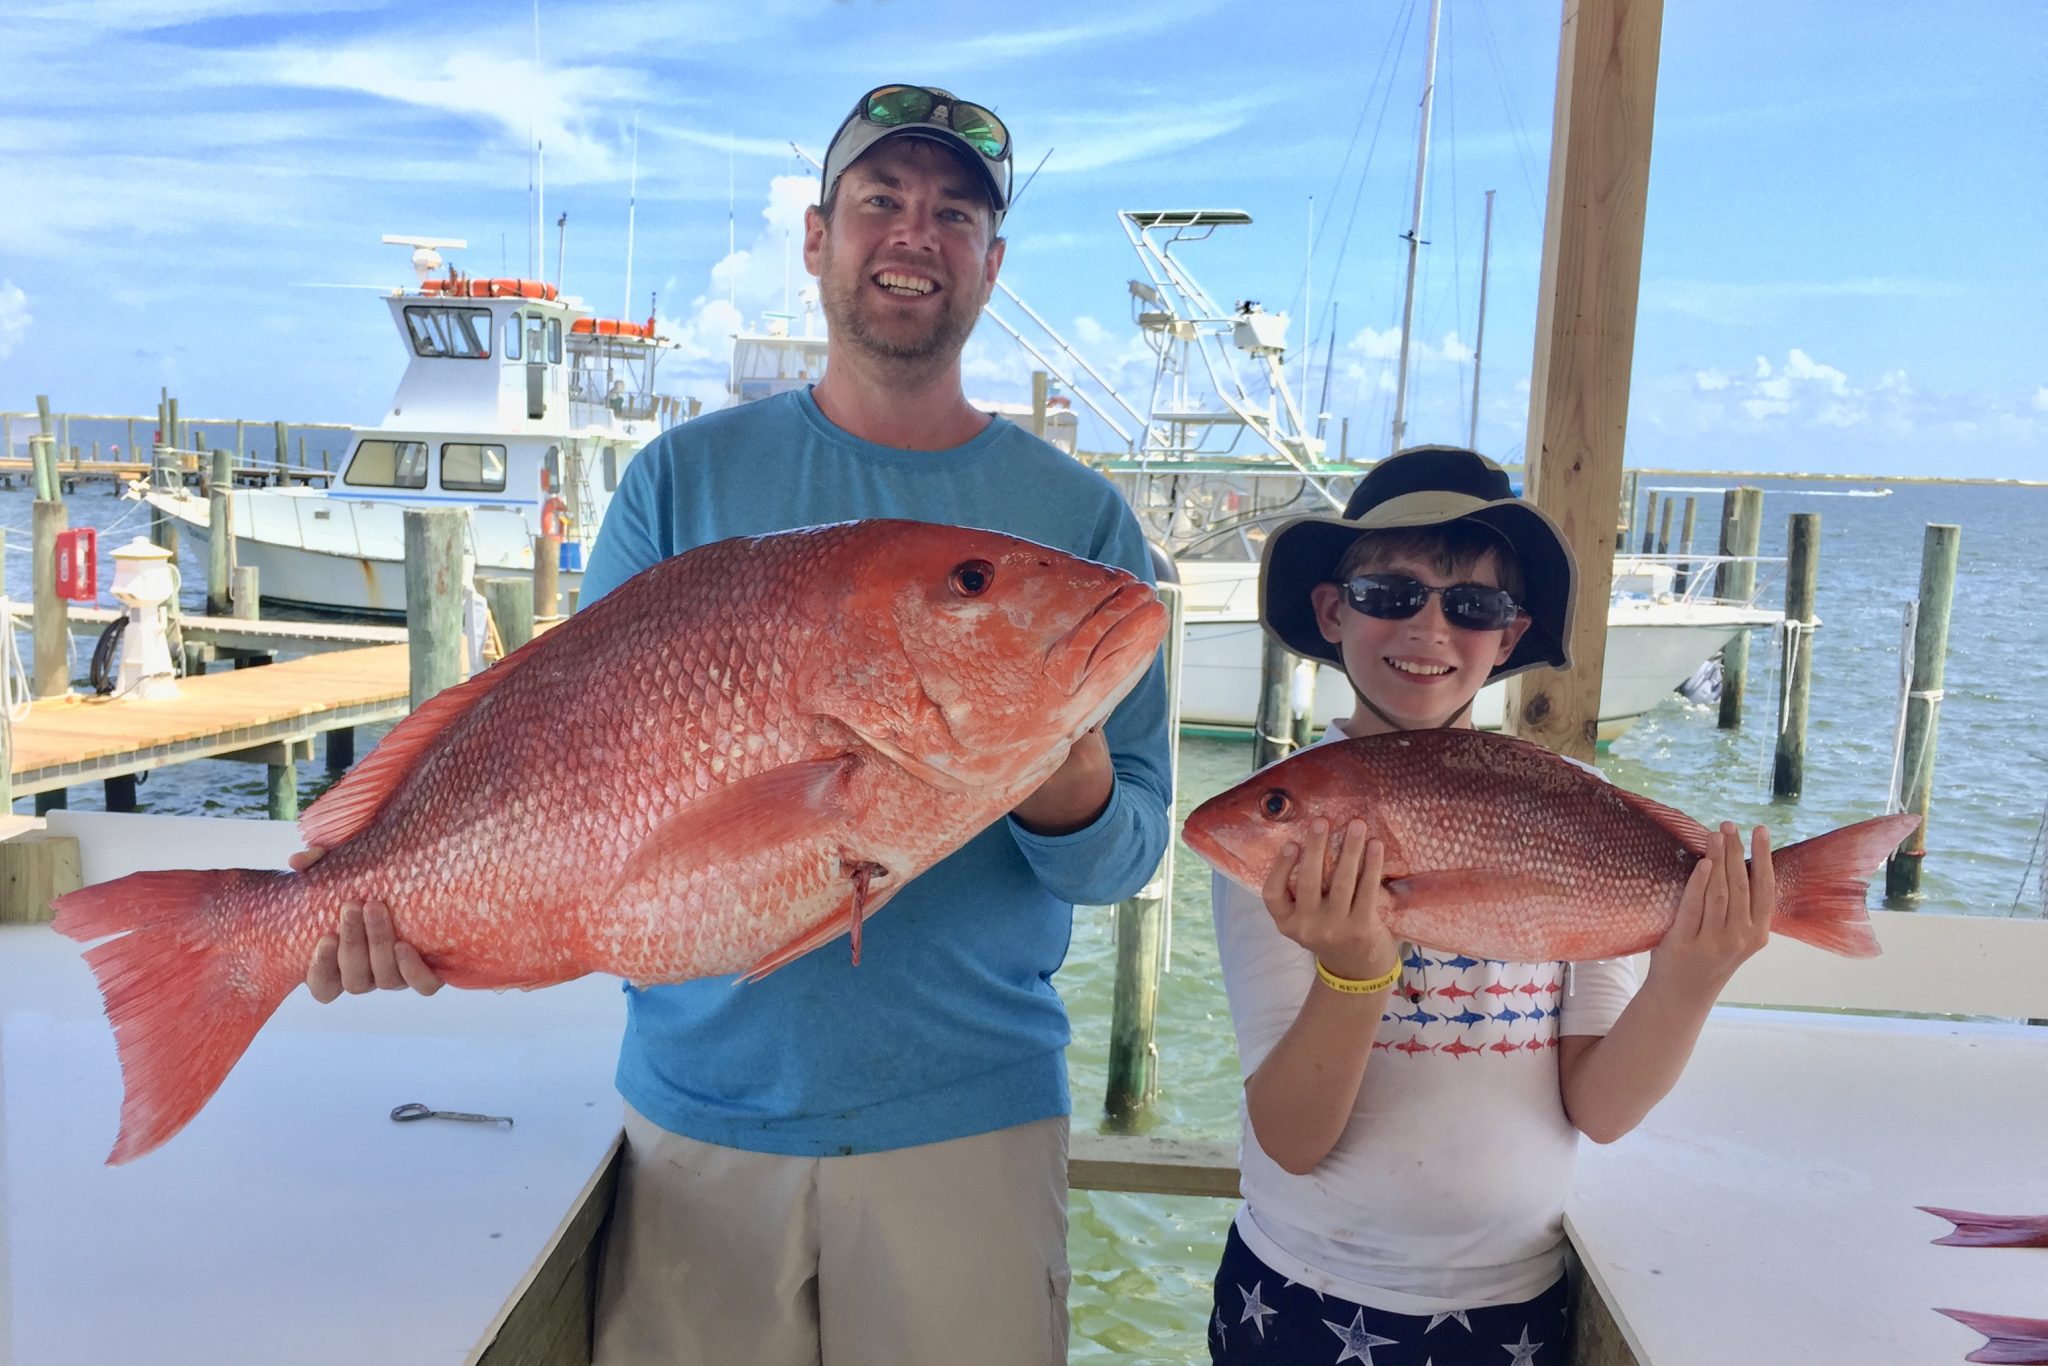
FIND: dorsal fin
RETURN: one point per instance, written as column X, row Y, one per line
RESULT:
column 1682, row 827
column 342, row 811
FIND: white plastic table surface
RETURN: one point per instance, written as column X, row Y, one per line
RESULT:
column 1765, row 1212
column 292, row 1222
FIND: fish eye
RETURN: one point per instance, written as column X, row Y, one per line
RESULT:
column 972, row 579
column 1277, row 804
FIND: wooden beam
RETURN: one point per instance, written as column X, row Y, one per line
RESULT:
column 1149, row 1165
column 35, row 868
column 1585, row 334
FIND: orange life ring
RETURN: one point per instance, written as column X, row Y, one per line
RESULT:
column 554, row 516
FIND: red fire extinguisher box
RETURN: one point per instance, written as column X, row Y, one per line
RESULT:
column 78, row 562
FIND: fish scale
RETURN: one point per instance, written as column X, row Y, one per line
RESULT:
column 690, row 777
column 1497, row 847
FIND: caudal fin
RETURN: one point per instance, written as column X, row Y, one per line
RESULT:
column 2013, row 1342
column 203, row 959
column 1991, row 1230
column 1822, row 883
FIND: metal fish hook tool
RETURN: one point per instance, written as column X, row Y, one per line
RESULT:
column 412, row 1110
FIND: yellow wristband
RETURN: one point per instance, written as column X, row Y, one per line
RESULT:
column 1351, row 987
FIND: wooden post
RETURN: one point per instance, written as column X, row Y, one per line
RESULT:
column 1273, row 737
column 120, row 792
column 1683, row 578
column 547, row 564
column 43, row 424
column 238, row 440
column 1802, row 569
column 1650, row 523
column 52, row 622
column 1038, row 393
column 1625, row 518
column 1923, row 702
column 130, row 447
column 1585, row 335
column 163, row 528
column 220, row 534
column 1344, row 439
column 284, row 450
column 35, row 869
column 341, row 749
column 171, row 433
column 1664, row 529
column 245, row 596
column 511, row 604
column 435, row 539
column 281, row 789
column 1742, row 513
column 42, row 460
column 1141, row 928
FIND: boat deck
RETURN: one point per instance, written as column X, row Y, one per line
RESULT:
column 75, row 740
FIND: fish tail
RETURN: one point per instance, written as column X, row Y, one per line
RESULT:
column 1822, row 883
column 1991, row 1230
column 203, row 958
column 2010, row 1341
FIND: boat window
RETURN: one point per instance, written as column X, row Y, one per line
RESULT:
column 389, row 464
column 512, row 326
column 536, row 337
column 551, row 470
column 611, row 468
column 467, row 467
column 463, row 333
column 555, row 339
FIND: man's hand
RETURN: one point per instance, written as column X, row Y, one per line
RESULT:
column 364, row 953
column 1724, row 916
column 1076, row 794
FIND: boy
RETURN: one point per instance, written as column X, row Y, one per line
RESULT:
column 1410, row 1117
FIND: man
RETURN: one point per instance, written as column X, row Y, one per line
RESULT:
column 868, row 1164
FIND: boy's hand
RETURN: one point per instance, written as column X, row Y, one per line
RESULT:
column 364, row 954
column 1340, row 924
column 1724, row 916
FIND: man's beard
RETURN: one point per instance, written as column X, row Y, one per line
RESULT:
column 847, row 316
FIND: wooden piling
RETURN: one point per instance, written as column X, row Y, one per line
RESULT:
column 1923, row 702
column 1142, row 933
column 42, row 459
column 341, row 749
column 244, row 593
column 1650, row 523
column 220, row 534
column 281, row 789
column 511, row 604
column 1741, row 521
column 1664, row 529
column 1274, row 735
column 1683, row 579
column 52, row 624
column 171, row 432
column 1802, row 571
column 547, row 567
column 120, row 792
column 435, row 539
column 284, row 450
column 1039, row 389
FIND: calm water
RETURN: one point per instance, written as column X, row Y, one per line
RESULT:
column 1142, row 1263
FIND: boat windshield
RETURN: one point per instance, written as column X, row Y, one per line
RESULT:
column 439, row 330
column 389, row 464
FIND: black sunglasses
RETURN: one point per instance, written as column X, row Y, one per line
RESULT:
column 894, row 106
column 1396, row 597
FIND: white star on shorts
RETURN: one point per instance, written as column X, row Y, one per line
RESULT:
column 1255, row 1308
column 1358, row 1343
column 1523, row 1352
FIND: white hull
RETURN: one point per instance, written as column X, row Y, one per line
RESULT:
column 344, row 554
column 1652, row 647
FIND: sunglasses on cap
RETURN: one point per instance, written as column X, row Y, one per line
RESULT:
column 1396, row 597
column 899, row 106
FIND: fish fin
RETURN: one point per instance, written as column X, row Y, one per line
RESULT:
column 1682, row 827
column 2011, row 1341
column 1822, row 883
column 824, row 932
column 342, row 812
column 1991, row 1230
column 192, row 977
column 779, row 806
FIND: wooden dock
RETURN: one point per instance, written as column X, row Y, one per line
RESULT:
column 257, row 715
column 244, row 635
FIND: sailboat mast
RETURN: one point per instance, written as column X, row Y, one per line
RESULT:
column 1479, row 341
column 1415, row 229
column 633, row 193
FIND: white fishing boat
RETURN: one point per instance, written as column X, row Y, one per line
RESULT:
column 518, row 405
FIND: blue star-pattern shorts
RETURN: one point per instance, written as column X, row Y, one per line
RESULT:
column 1263, row 1319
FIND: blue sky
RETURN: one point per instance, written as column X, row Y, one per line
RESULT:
column 1843, row 265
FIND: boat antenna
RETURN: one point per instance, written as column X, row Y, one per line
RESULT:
column 1027, row 181
column 1415, row 229
column 632, row 193
column 533, row 172
column 561, row 245
column 1479, row 342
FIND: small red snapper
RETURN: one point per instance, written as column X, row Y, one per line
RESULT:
column 1499, row 848
column 723, row 764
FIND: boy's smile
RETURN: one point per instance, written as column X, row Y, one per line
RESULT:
column 1421, row 671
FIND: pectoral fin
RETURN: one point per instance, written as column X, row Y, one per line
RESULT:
column 781, row 806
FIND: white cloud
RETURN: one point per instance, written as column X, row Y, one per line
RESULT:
column 14, row 317
column 1799, row 365
column 2041, row 399
column 1729, row 302
column 1710, row 381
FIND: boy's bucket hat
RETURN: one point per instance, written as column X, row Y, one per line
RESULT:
column 1424, row 486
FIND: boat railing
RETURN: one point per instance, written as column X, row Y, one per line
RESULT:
column 1693, row 578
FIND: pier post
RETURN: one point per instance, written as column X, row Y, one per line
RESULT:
column 1273, row 736
column 244, row 594
column 1143, row 932
column 1664, row 529
column 547, row 565
column 281, row 789
column 1802, row 571
column 52, row 624
column 435, row 539
column 1913, row 789
column 120, row 792
column 220, row 533
column 284, row 451
column 1650, row 523
column 1625, row 517
column 341, row 749
column 1039, row 388
column 168, row 477
column 1683, row 579
column 511, row 604
column 171, row 433
column 1741, row 521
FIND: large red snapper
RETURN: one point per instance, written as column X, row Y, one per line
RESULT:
column 723, row 764
column 1498, row 848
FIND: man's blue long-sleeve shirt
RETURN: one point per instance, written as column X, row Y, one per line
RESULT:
column 950, row 1025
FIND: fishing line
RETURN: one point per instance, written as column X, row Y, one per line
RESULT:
column 2032, row 852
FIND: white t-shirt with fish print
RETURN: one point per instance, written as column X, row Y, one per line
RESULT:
column 1447, row 1188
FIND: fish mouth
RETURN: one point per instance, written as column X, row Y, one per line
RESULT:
column 1121, row 630
column 1207, row 840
